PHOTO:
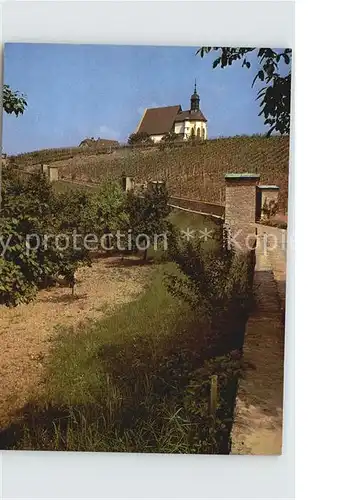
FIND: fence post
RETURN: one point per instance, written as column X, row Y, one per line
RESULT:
column 53, row 173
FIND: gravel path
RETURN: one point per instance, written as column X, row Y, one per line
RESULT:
column 258, row 416
column 26, row 330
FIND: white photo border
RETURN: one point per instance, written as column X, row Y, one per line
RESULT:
column 107, row 475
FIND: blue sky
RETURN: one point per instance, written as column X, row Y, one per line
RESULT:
column 79, row 91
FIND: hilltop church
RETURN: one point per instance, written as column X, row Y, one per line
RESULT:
column 157, row 122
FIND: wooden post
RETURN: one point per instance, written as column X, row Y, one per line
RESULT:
column 214, row 395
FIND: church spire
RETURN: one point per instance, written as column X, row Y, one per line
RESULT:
column 195, row 100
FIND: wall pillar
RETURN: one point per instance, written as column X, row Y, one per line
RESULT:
column 53, row 173
column 240, row 208
column 268, row 196
column 44, row 169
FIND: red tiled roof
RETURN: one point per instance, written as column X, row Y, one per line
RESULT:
column 159, row 120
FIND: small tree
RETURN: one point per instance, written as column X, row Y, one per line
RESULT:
column 28, row 263
column 71, row 208
column 217, row 282
column 148, row 214
column 106, row 213
column 140, row 138
column 269, row 209
column 170, row 137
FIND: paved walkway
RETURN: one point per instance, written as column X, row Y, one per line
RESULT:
column 258, row 415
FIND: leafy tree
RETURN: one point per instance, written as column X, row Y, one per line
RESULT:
column 217, row 282
column 170, row 137
column 71, row 207
column 140, row 138
column 148, row 214
column 13, row 102
column 106, row 212
column 275, row 96
column 28, row 263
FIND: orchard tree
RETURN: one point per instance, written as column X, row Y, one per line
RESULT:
column 28, row 263
column 105, row 212
column 13, row 102
column 275, row 96
column 148, row 214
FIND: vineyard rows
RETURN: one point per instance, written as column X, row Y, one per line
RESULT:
column 196, row 171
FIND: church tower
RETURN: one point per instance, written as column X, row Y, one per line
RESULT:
column 195, row 101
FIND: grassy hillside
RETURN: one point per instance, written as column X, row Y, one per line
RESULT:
column 60, row 154
column 192, row 171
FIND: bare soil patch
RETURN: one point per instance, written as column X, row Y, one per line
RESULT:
column 26, row 331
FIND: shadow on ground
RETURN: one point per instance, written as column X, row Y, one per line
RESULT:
column 67, row 298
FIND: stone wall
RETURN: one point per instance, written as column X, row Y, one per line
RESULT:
column 240, row 208
column 197, row 206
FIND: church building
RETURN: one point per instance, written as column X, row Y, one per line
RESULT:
column 157, row 122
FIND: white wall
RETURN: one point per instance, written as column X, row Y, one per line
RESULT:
column 196, row 125
column 156, row 138
column 186, row 126
column 179, row 128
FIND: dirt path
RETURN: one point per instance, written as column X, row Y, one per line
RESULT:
column 259, row 407
column 26, row 331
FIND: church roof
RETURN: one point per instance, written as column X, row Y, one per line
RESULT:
column 158, row 120
column 190, row 115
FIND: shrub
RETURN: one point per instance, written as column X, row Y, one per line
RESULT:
column 269, row 209
column 219, row 282
column 212, row 431
column 148, row 214
column 140, row 138
column 106, row 211
column 14, row 287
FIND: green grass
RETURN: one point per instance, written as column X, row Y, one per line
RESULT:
column 78, row 373
column 119, row 384
column 135, row 381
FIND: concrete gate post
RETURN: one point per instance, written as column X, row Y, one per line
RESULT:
column 240, row 208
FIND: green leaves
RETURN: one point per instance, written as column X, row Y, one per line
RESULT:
column 30, row 207
column 140, row 138
column 13, row 102
column 276, row 95
column 217, row 282
column 148, row 214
